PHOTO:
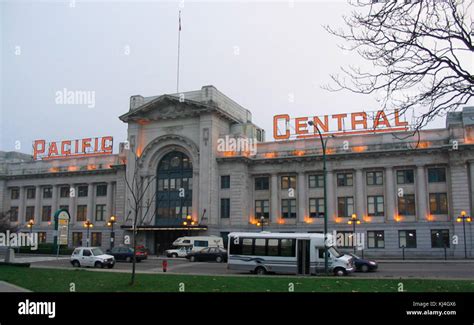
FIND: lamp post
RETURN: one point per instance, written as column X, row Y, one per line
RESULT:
column 353, row 221
column 88, row 225
column 261, row 223
column 30, row 225
column 323, row 145
column 110, row 223
column 464, row 218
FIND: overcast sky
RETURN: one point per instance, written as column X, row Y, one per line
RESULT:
column 259, row 54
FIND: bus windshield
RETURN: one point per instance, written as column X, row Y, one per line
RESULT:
column 333, row 251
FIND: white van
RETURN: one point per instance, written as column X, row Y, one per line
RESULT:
column 199, row 242
column 291, row 253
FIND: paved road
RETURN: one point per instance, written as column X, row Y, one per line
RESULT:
column 446, row 270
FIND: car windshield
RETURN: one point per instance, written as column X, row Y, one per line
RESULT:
column 333, row 251
column 97, row 251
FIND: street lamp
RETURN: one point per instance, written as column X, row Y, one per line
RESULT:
column 464, row 218
column 323, row 145
column 30, row 224
column 88, row 225
column 189, row 222
column 110, row 223
column 353, row 221
column 261, row 223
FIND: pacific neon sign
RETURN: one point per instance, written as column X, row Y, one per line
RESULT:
column 72, row 148
column 380, row 121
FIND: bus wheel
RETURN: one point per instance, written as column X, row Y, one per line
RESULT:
column 260, row 270
column 339, row 271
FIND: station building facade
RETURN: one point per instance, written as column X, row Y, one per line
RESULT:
column 407, row 189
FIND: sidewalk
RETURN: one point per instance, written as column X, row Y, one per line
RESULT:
column 8, row 287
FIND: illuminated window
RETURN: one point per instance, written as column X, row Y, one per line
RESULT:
column 288, row 208
column 46, row 213
column 316, row 207
column 262, row 209
column 96, row 239
column 15, row 193
column 406, row 205
column 100, row 212
column 288, row 182
column 81, row 213
column 77, row 239
column 407, row 238
column 41, row 237
column 438, row 203
column 30, row 213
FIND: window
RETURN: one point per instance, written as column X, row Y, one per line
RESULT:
column 96, row 239
column 101, row 190
column 407, row 238
column 225, row 208
column 437, row 175
column 99, row 212
column 375, row 239
column 438, row 203
column 42, row 237
column 77, row 239
column 30, row 213
column 316, row 181
column 375, row 178
column 46, row 213
column 440, row 238
column 247, row 246
column 47, row 192
column 405, row 176
column 64, row 207
column 225, row 181
column 316, row 207
column 82, row 190
column 81, row 213
column 14, row 214
column 287, row 247
column 288, row 182
column 260, row 246
column 345, row 206
column 261, row 183
column 64, row 191
column 15, row 193
column 345, row 179
column 86, row 252
column 288, row 208
column 375, row 205
column 406, row 205
column 30, row 193
column 272, row 249
column 201, row 243
column 262, row 209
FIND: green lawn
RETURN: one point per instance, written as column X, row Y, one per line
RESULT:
column 55, row 280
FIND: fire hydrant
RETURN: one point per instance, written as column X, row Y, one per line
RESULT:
column 164, row 264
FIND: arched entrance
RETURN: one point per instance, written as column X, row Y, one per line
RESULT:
column 173, row 196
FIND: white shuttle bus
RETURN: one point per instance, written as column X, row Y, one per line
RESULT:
column 291, row 253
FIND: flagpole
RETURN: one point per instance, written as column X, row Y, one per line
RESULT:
column 179, row 44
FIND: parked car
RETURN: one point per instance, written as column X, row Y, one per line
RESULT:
column 142, row 250
column 196, row 243
column 91, row 256
column 363, row 265
column 180, row 252
column 209, row 254
column 124, row 253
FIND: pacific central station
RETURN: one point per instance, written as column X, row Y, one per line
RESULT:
column 180, row 174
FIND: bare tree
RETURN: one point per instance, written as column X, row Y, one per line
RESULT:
column 140, row 206
column 5, row 223
column 421, row 52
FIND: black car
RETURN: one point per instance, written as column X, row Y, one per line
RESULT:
column 125, row 254
column 363, row 265
column 209, row 254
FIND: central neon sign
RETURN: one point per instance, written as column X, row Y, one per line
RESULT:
column 285, row 127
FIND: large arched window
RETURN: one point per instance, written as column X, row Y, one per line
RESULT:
column 174, row 186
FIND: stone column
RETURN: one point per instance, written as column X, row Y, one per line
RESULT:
column 274, row 210
column 72, row 202
column 109, row 208
column 54, row 201
column 360, row 194
column 331, row 200
column 38, row 211
column 21, row 206
column 302, row 206
column 421, row 195
column 90, row 202
column 390, row 198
